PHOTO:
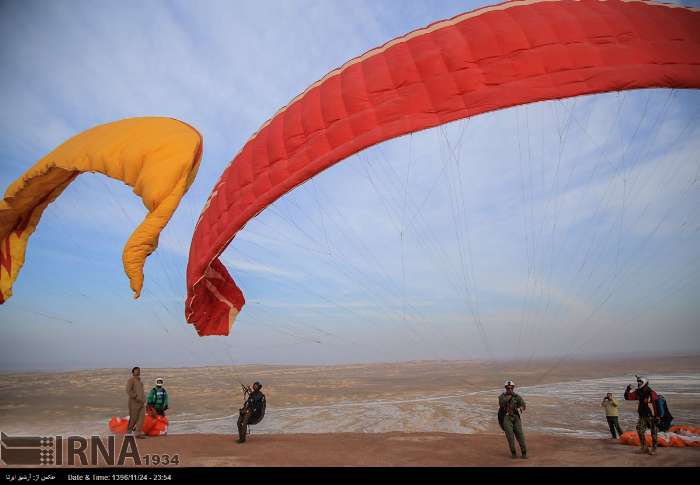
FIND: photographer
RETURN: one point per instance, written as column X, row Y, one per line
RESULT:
column 612, row 413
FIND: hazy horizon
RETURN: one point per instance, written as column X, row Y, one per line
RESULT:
column 619, row 357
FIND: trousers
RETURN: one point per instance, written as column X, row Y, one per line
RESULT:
column 137, row 413
column 614, row 425
column 644, row 423
column 243, row 419
column 513, row 429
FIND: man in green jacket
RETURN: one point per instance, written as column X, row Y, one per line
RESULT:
column 510, row 405
column 158, row 398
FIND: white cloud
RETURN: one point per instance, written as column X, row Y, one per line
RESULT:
column 256, row 268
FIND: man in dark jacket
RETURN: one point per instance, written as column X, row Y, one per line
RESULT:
column 648, row 410
column 252, row 411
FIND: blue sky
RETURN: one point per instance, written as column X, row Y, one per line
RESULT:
column 561, row 229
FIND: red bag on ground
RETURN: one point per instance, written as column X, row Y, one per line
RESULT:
column 629, row 438
column 148, row 423
column 151, row 426
column 159, row 426
column 118, row 425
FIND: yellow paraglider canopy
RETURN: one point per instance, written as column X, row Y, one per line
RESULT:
column 158, row 157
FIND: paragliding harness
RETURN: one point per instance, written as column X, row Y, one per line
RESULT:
column 503, row 410
column 253, row 404
column 648, row 401
column 664, row 414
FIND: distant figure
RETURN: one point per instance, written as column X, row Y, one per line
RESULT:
column 612, row 413
column 510, row 405
column 158, row 399
column 664, row 414
column 648, row 411
column 253, row 410
column 137, row 408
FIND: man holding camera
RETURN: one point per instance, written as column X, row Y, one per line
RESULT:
column 612, row 414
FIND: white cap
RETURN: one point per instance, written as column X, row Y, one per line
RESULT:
column 159, row 380
column 641, row 382
column 509, row 383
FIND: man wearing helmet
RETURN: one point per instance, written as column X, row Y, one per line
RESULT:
column 510, row 405
column 252, row 411
column 648, row 410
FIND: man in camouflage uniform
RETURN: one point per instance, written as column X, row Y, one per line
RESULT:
column 510, row 405
column 648, row 410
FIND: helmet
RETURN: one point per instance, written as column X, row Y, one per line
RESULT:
column 641, row 382
column 159, row 381
column 509, row 383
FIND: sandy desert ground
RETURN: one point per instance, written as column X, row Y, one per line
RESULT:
column 406, row 449
column 404, row 414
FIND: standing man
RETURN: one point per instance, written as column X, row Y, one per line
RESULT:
column 510, row 405
column 158, row 399
column 252, row 411
column 648, row 411
column 137, row 408
column 612, row 414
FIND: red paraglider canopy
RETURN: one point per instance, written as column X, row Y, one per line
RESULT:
column 492, row 58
